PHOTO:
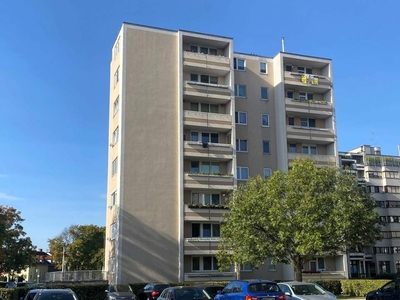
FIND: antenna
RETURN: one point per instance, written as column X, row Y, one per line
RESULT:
column 398, row 148
column 283, row 44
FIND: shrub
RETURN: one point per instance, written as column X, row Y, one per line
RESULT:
column 360, row 287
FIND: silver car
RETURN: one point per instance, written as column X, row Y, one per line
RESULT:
column 296, row 290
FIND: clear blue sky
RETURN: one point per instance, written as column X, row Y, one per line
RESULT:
column 54, row 81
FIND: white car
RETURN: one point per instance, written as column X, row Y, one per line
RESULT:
column 296, row 290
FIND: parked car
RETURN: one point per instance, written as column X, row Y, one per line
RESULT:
column 55, row 294
column 25, row 284
column 152, row 291
column 182, row 293
column 296, row 290
column 119, row 292
column 251, row 289
column 390, row 290
column 210, row 290
column 7, row 284
column 31, row 294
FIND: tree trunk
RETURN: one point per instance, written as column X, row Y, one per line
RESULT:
column 298, row 266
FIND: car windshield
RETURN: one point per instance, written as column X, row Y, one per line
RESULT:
column 263, row 287
column 188, row 294
column 57, row 296
column 212, row 291
column 306, row 289
column 122, row 288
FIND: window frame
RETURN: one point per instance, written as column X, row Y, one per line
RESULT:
column 113, row 198
column 262, row 120
column 115, row 136
column 309, row 152
column 239, row 171
column 236, row 63
column 308, row 122
column 270, row 173
column 239, row 149
column 237, row 117
column 306, row 96
column 291, row 118
column 214, row 264
column 287, row 92
column 200, row 137
column 113, row 231
column 116, row 77
column 269, row 147
column 114, row 166
column 266, row 67
column 237, row 90
column 266, row 92
column 116, row 106
column 201, row 199
column 201, row 232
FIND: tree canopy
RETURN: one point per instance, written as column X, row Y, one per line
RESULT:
column 83, row 247
column 294, row 216
column 16, row 250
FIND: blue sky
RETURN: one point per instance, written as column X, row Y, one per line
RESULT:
column 54, row 82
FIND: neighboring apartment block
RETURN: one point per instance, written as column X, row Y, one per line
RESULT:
column 190, row 120
column 380, row 175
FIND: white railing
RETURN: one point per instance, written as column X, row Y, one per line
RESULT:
column 207, row 57
column 83, row 275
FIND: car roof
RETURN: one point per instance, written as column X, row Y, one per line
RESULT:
column 55, row 291
column 34, row 291
column 207, row 285
column 254, row 281
column 297, row 282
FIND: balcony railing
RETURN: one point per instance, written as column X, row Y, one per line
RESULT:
column 310, row 134
column 218, row 122
column 210, row 276
column 319, row 158
column 209, row 181
column 313, row 81
column 319, row 109
column 205, row 214
column 215, row 64
column 214, row 93
column 222, row 152
column 84, row 275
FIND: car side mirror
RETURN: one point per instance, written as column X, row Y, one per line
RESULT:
column 288, row 294
column 219, row 292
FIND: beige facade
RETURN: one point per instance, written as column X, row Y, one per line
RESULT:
column 380, row 175
column 189, row 121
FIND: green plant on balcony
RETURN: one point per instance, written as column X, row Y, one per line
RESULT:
column 212, row 206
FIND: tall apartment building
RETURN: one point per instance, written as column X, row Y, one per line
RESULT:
column 380, row 174
column 190, row 120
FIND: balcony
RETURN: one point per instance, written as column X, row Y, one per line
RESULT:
column 220, row 152
column 206, row 63
column 308, row 82
column 321, row 160
column 210, row 276
column 310, row 134
column 324, row 275
column 204, row 213
column 201, row 246
column 216, row 122
column 214, row 93
column 317, row 109
column 208, row 181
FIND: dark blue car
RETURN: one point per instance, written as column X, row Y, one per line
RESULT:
column 251, row 290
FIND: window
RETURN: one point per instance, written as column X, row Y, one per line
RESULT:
column 290, row 94
column 115, row 136
column 204, row 263
column 241, row 117
column 204, row 78
column 116, row 77
column 271, row 264
column 321, row 263
column 264, row 93
column 114, row 198
column 206, row 230
column 267, row 173
column 115, row 166
column 116, row 48
column 384, row 267
column 265, row 120
column 194, row 48
column 392, row 189
column 391, row 174
column 194, row 167
column 304, row 70
column 241, row 145
column 291, row 121
column 309, row 149
column 266, row 149
column 239, row 64
column 306, row 122
column 246, row 267
column 306, row 96
column 204, row 50
column 204, row 107
column 205, row 198
column 113, row 231
column 263, row 67
column 376, row 174
column 288, row 68
column 242, row 173
column 240, row 90
column 210, row 168
column 116, row 105
column 206, row 137
column 292, row 148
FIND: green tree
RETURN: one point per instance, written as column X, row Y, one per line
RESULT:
column 297, row 215
column 16, row 250
column 82, row 247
